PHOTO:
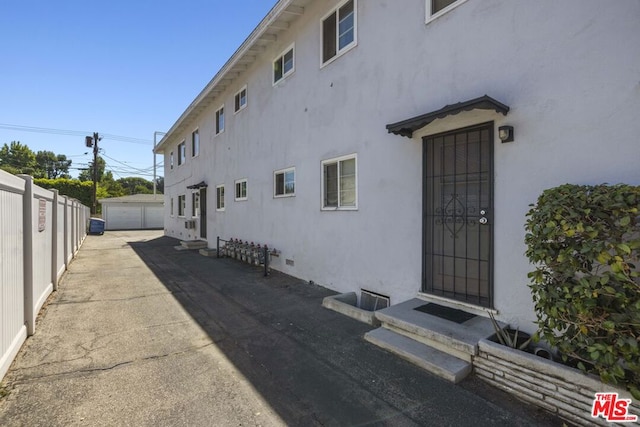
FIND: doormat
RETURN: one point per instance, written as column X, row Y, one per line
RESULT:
column 450, row 314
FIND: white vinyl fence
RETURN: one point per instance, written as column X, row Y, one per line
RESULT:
column 40, row 233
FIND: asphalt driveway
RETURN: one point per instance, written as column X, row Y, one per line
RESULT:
column 141, row 334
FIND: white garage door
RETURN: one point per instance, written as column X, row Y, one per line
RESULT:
column 154, row 217
column 123, row 217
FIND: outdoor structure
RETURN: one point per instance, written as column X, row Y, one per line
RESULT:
column 395, row 147
column 41, row 233
column 135, row 212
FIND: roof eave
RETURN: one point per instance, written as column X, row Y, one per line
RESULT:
column 278, row 10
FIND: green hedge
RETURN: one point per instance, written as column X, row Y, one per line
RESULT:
column 81, row 190
column 585, row 243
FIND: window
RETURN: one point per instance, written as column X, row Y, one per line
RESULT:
column 437, row 8
column 339, row 182
column 181, row 205
column 220, row 198
column 241, row 99
column 171, row 160
column 220, row 121
column 283, row 66
column 284, row 182
column 171, row 207
column 182, row 153
column 339, row 31
column 195, row 143
column 241, row 189
column 195, row 204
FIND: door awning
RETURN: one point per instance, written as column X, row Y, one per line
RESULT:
column 407, row 127
column 197, row 186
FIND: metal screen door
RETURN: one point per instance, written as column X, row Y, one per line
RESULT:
column 458, row 203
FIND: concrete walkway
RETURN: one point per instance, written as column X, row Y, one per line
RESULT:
column 141, row 334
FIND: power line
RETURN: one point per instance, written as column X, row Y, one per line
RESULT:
column 74, row 133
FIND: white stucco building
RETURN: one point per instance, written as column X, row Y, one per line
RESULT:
column 361, row 139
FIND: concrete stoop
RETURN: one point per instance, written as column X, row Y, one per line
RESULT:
column 442, row 347
column 210, row 252
column 193, row 244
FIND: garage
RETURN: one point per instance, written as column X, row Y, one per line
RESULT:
column 135, row 212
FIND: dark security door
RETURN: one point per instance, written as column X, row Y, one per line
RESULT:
column 203, row 213
column 458, row 208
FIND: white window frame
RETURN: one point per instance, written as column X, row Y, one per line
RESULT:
column 182, row 205
column 338, row 160
column 237, row 107
column 280, row 60
column 171, row 211
column 182, row 153
column 346, row 48
column 235, row 189
column 195, row 204
column 171, row 162
column 195, row 143
column 433, row 16
column 219, row 113
column 284, row 173
column 219, row 199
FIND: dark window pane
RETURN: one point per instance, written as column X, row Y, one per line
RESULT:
column 329, row 38
column 438, row 5
column 331, row 185
column 279, row 184
column 277, row 70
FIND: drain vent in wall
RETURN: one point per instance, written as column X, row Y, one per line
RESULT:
column 289, row 262
column 372, row 301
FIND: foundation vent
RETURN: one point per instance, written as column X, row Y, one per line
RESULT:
column 372, row 301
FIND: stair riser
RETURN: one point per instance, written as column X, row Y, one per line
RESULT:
column 442, row 342
column 447, row 347
column 422, row 363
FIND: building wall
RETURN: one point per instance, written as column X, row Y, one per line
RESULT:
column 570, row 78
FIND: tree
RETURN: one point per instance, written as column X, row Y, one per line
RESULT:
column 111, row 187
column 52, row 166
column 17, row 158
column 136, row 185
column 160, row 184
column 87, row 174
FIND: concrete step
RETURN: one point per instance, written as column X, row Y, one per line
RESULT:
column 458, row 339
column 193, row 244
column 432, row 360
column 210, row 252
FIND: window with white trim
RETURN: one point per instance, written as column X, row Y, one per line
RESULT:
column 340, row 183
column 284, row 65
column 240, row 99
column 171, row 207
column 437, row 8
column 220, row 120
column 182, row 153
column 284, row 183
column 195, row 143
column 220, row 198
column 241, row 190
column 339, row 31
column 182, row 204
column 195, row 204
column 171, row 160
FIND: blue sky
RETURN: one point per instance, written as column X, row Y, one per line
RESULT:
column 119, row 67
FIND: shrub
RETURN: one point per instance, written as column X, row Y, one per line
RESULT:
column 585, row 244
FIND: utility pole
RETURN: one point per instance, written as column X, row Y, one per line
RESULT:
column 155, row 136
column 93, row 142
